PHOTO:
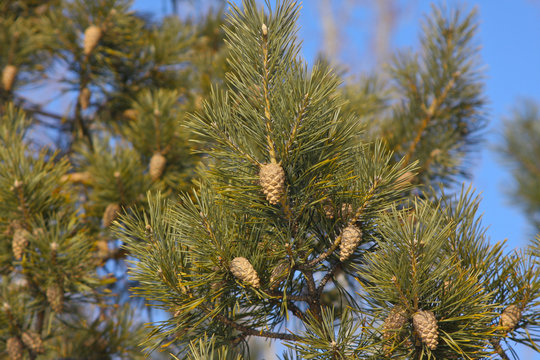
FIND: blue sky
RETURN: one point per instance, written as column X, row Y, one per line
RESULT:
column 509, row 35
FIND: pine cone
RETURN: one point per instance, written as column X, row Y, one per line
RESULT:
column 157, row 165
column 14, row 348
column 102, row 247
column 346, row 211
column 92, row 34
column 329, row 211
column 279, row 273
column 33, row 341
column 350, row 238
column 393, row 322
column 510, row 317
column 55, row 296
column 110, row 214
column 130, row 114
column 84, row 98
column 19, row 242
column 272, row 180
column 403, row 181
column 8, row 76
column 243, row 270
column 425, row 325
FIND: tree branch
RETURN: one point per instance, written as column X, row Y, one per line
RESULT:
column 496, row 343
column 254, row 332
column 430, row 112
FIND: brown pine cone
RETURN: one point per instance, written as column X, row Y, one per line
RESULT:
column 395, row 320
column 19, row 242
column 55, row 296
column 8, row 76
column 510, row 317
column 130, row 114
column 350, row 238
column 110, row 213
column 15, row 348
column 92, row 34
column 425, row 325
column 157, row 165
column 244, row 271
column 33, row 341
column 272, row 181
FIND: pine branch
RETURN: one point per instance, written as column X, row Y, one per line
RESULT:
column 322, row 256
column 254, row 332
column 277, row 294
column 498, row 348
column 429, row 114
column 327, row 277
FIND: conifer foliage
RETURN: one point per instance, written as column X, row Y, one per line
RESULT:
column 92, row 100
column 297, row 216
column 243, row 192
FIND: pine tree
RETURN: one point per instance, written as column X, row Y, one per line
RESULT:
column 312, row 220
column 122, row 84
column 294, row 180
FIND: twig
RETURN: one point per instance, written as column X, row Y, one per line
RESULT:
column 315, row 301
column 322, row 256
column 254, row 332
column 279, row 295
column 329, row 275
column 498, row 348
column 296, row 310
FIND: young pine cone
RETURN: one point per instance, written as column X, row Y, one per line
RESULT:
column 157, row 165
column 272, row 180
column 425, row 325
column 346, row 211
column 84, row 98
column 279, row 273
column 19, row 242
column 15, row 348
column 111, row 211
column 242, row 269
column 510, row 317
column 8, row 76
column 329, row 211
column 350, row 238
column 55, row 296
column 92, row 34
column 33, row 341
